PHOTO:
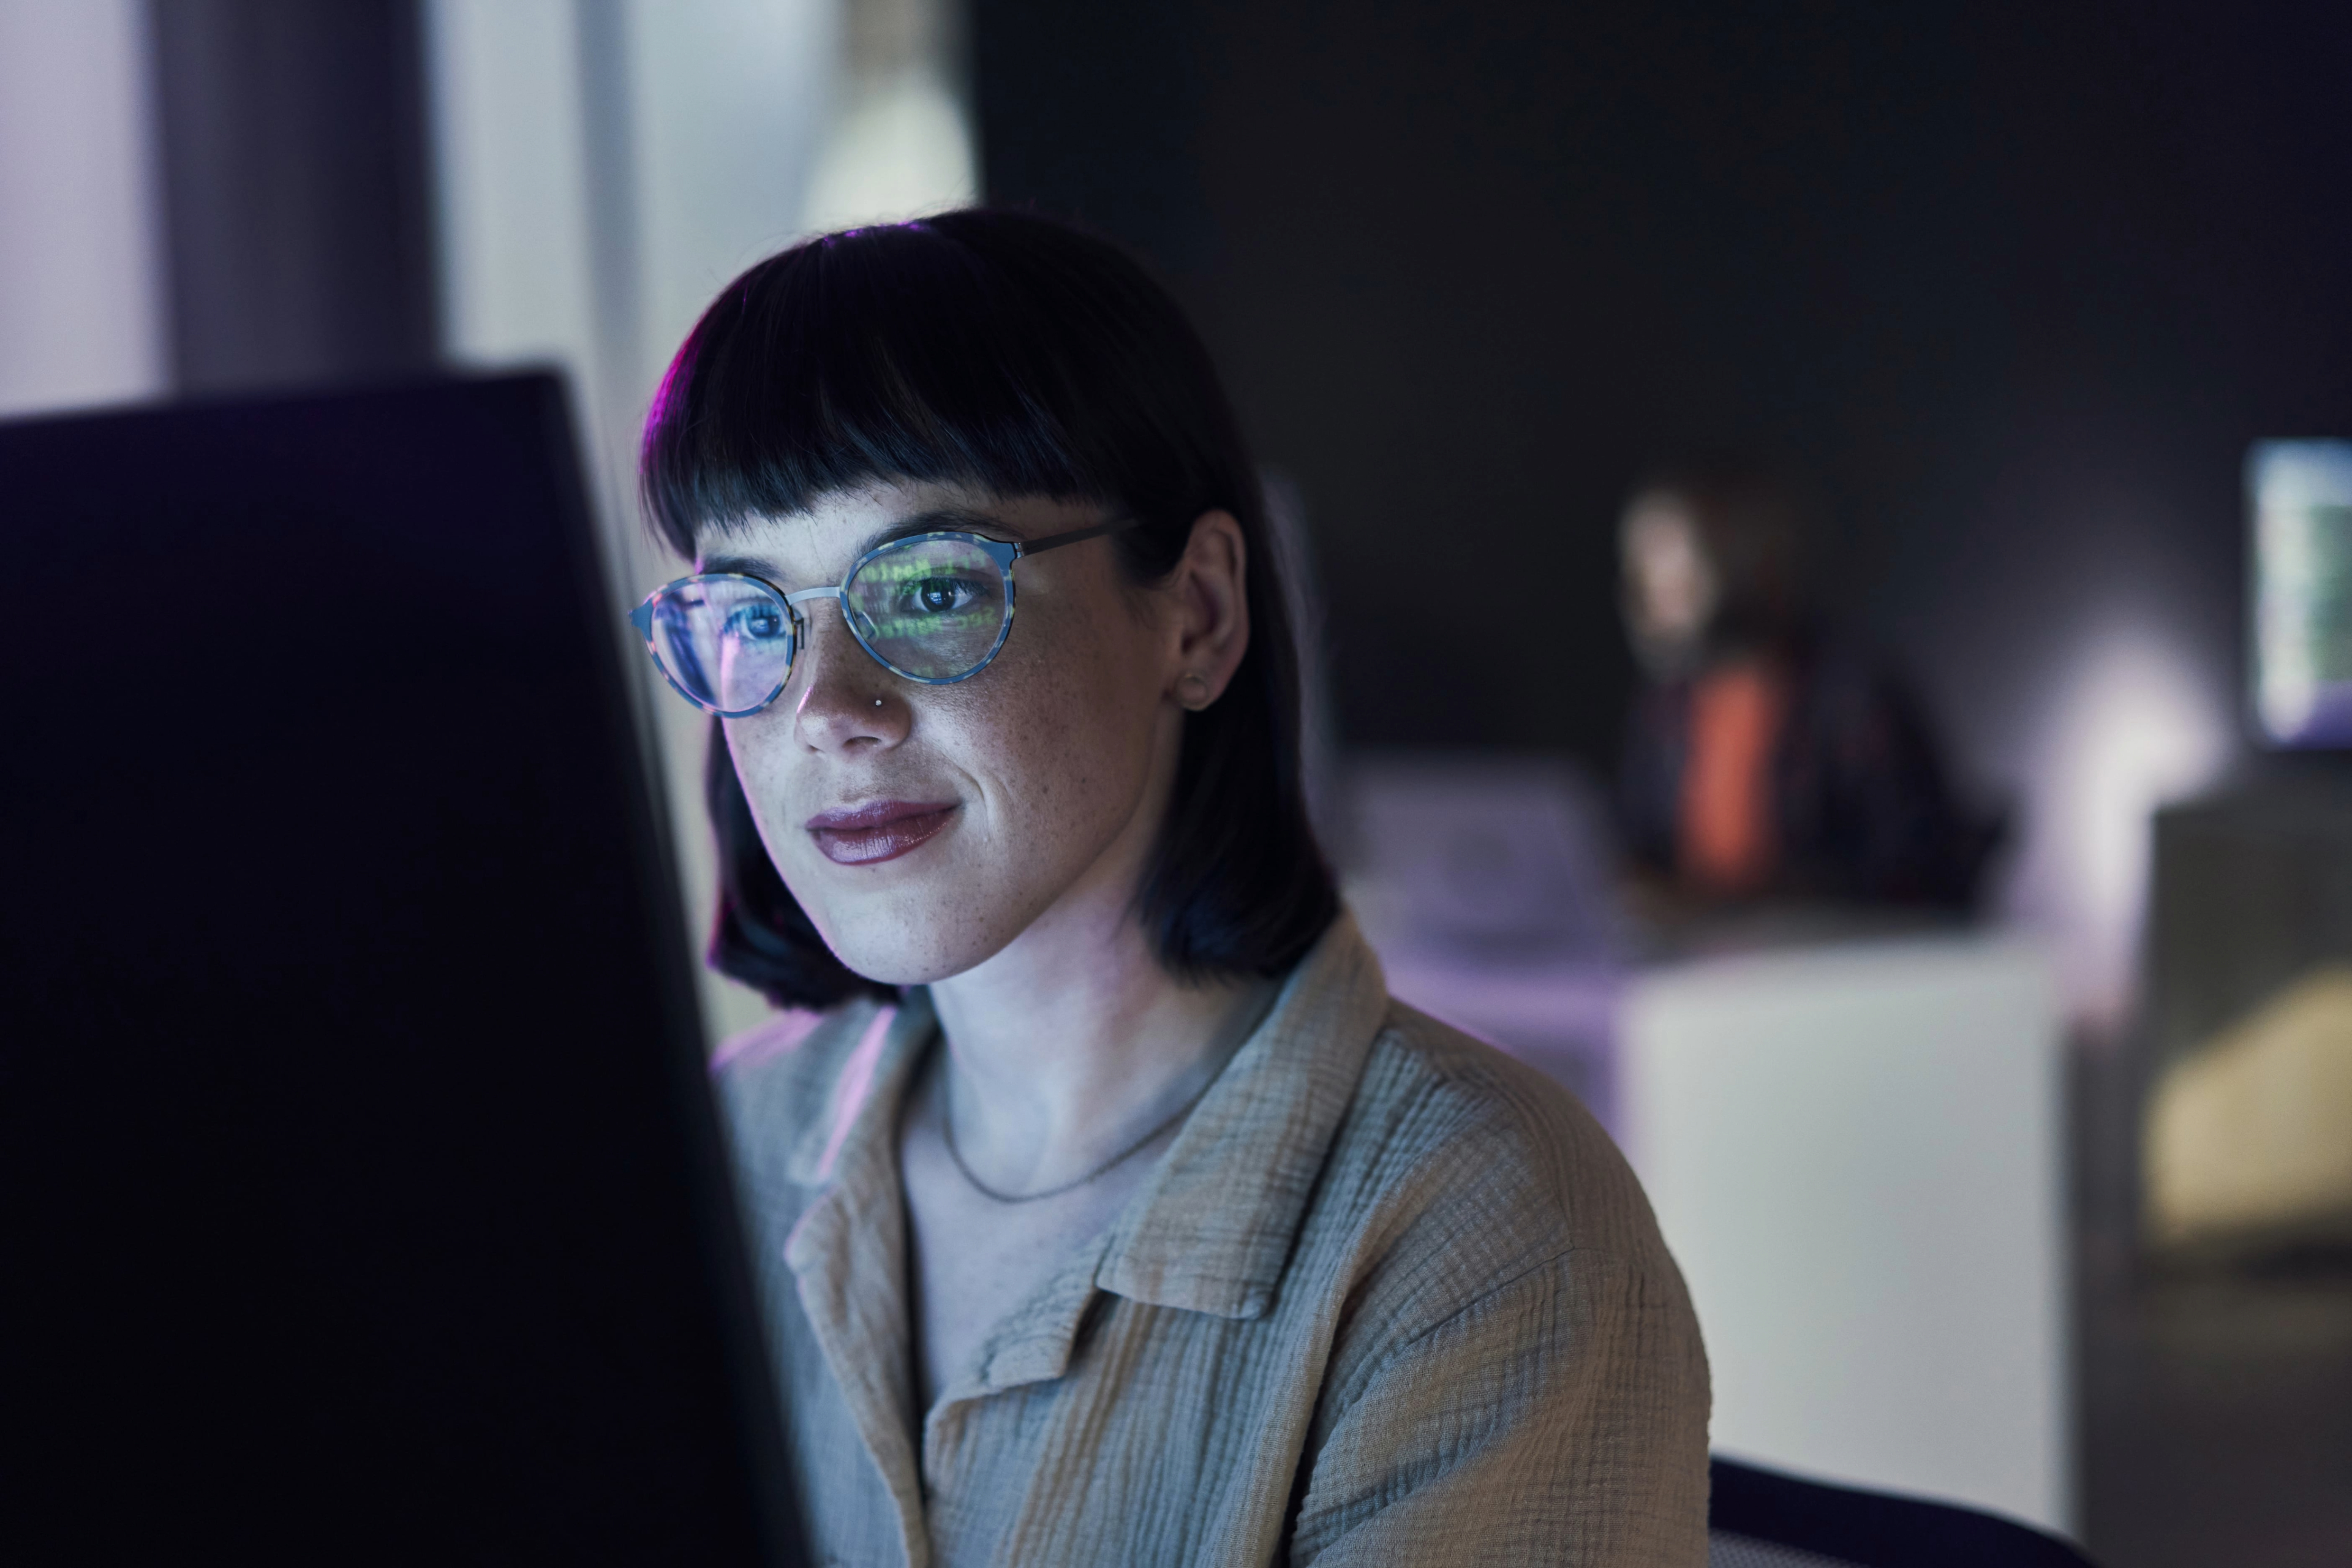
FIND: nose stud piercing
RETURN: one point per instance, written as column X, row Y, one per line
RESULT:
column 877, row 702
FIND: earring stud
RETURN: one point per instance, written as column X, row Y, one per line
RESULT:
column 1192, row 689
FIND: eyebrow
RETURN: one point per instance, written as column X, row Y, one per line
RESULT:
column 939, row 519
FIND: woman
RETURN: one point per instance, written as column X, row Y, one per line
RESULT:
column 1107, row 1209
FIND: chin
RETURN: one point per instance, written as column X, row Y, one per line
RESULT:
column 906, row 936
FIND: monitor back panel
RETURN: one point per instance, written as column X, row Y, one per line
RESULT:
column 365, row 1196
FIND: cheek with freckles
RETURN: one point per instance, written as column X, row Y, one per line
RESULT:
column 1049, row 754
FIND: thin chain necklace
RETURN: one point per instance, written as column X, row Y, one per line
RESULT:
column 947, row 1135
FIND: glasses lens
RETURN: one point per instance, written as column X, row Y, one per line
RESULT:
column 727, row 641
column 931, row 609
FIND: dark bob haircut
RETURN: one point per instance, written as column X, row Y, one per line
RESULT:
column 1023, row 357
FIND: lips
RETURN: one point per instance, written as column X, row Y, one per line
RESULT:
column 878, row 831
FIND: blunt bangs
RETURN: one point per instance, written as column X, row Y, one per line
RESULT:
column 1022, row 357
column 957, row 349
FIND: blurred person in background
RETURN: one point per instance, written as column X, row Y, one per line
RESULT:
column 1108, row 1208
column 1766, row 758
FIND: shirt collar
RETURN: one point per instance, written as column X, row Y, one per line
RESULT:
column 1213, row 1229
column 860, row 1118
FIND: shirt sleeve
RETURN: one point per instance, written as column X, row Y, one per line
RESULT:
column 1558, row 1418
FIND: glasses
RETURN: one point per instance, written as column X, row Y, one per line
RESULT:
column 932, row 608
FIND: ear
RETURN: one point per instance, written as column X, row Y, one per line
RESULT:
column 1210, row 630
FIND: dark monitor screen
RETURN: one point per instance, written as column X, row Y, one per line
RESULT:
column 365, row 1200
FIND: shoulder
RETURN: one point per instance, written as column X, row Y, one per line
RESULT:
column 1457, row 1122
column 1469, row 1175
column 1509, row 1332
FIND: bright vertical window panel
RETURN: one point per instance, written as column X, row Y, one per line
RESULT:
column 83, row 312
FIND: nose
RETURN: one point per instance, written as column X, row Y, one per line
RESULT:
column 848, row 704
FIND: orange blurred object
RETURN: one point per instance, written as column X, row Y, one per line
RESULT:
column 1727, row 841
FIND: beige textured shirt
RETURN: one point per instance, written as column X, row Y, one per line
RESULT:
column 1389, row 1297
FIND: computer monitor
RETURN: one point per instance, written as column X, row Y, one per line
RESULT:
column 365, row 1201
column 2299, row 495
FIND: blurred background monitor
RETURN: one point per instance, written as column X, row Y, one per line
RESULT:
column 2300, row 494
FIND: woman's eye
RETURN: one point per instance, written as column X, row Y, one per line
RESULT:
column 938, row 595
column 756, row 623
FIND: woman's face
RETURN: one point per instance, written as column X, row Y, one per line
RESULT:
column 925, row 827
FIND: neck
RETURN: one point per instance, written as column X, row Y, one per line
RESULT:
column 1074, row 1040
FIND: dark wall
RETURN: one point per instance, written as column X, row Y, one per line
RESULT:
column 2013, row 288
column 298, row 214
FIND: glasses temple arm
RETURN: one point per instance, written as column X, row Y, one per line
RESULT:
column 1076, row 536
